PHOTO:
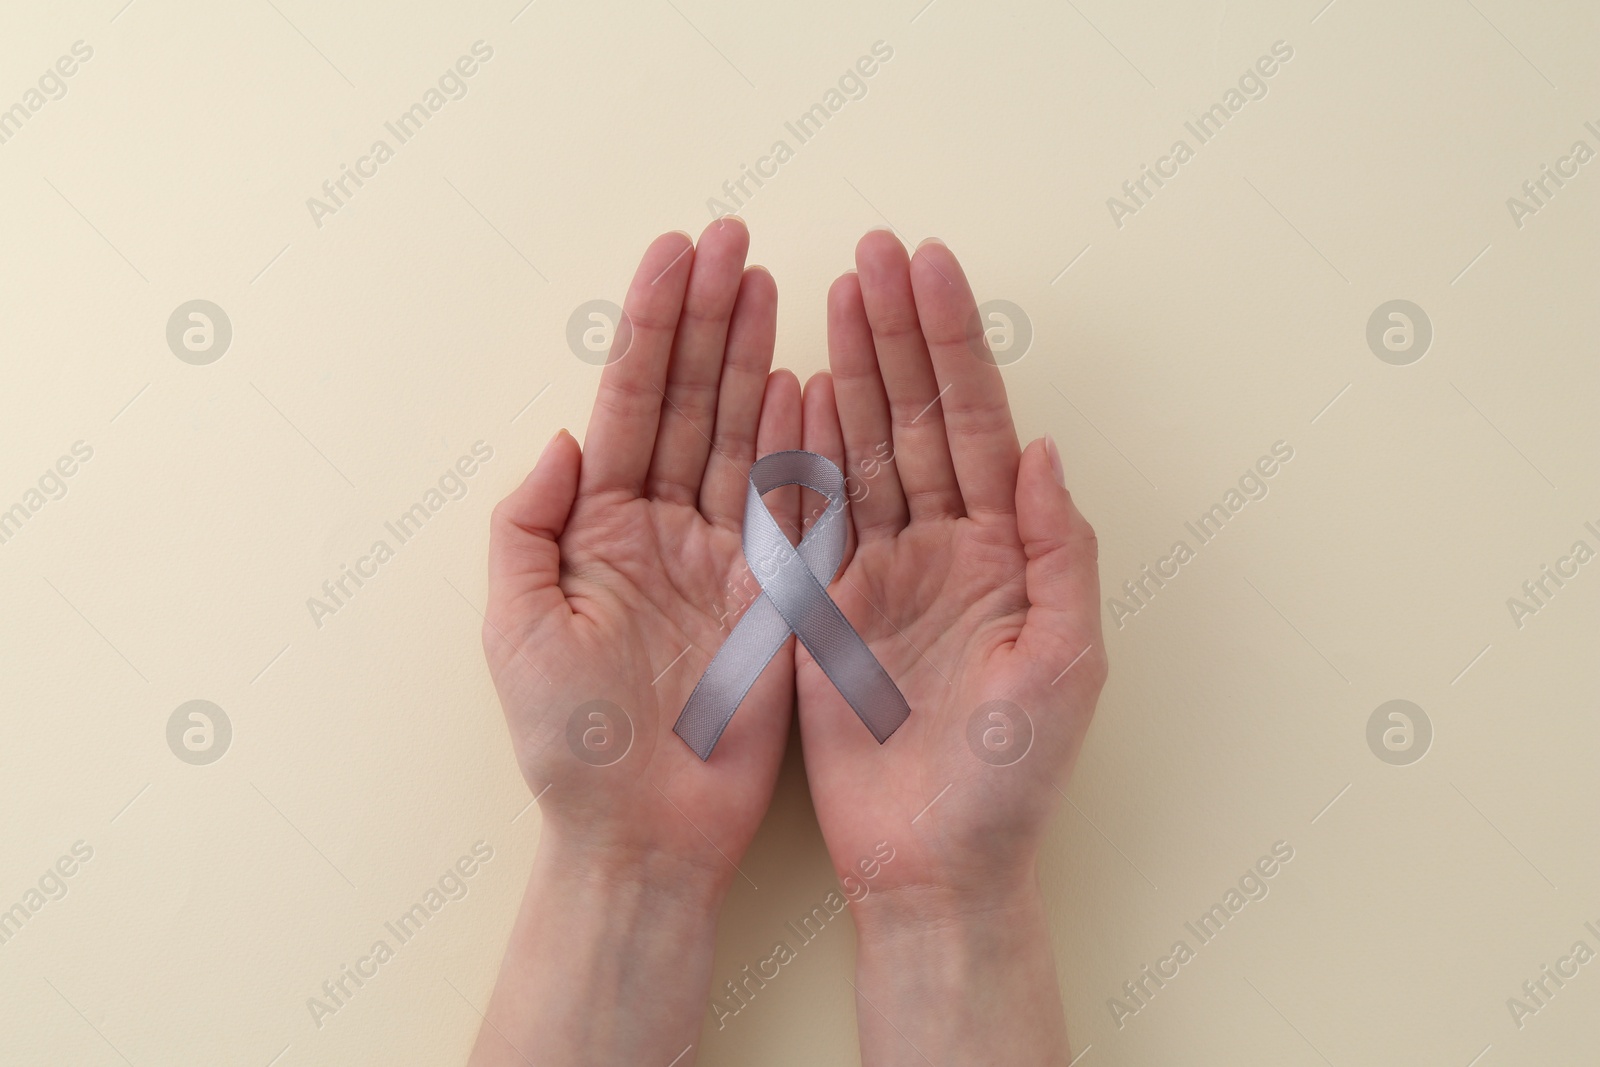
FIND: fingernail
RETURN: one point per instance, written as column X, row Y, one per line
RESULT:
column 552, row 442
column 1055, row 460
column 933, row 241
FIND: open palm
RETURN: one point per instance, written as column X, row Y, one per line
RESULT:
column 972, row 578
column 614, row 570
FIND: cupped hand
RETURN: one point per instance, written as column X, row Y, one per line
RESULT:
column 616, row 571
column 971, row 576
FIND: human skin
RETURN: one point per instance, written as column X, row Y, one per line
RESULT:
column 972, row 577
column 605, row 565
column 609, row 562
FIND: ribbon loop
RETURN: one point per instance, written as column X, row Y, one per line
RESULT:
column 794, row 599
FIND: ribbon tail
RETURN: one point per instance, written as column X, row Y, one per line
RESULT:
column 850, row 665
column 756, row 638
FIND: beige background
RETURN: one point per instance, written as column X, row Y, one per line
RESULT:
column 430, row 312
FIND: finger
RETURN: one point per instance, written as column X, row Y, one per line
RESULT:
column 863, row 411
column 921, row 450
column 524, row 558
column 744, row 383
column 689, row 415
column 977, row 417
column 1062, row 629
column 821, row 434
column 627, row 408
column 780, row 430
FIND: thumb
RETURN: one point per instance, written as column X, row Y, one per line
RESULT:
column 1063, row 578
column 524, row 557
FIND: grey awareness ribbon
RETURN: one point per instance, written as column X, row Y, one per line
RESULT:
column 794, row 599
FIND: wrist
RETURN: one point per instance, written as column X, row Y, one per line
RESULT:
column 609, row 960
column 966, row 972
column 910, row 910
column 567, row 863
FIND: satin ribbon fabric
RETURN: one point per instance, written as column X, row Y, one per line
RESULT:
column 794, row 599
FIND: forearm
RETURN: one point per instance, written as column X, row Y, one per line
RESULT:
column 947, row 980
column 609, row 962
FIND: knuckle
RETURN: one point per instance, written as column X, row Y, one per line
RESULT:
column 892, row 324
